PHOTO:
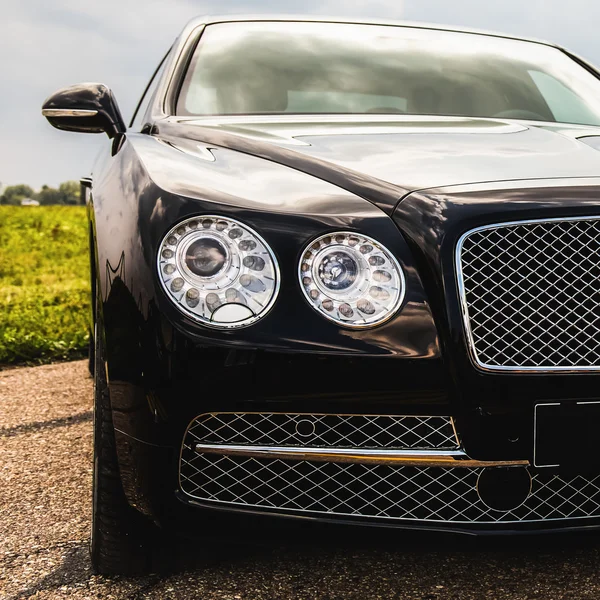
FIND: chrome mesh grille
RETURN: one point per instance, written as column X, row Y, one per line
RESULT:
column 531, row 294
column 389, row 492
column 345, row 431
column 407, row 493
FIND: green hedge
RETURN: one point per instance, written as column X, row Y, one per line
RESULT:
column 44, row 283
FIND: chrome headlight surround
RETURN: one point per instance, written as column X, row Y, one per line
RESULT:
column 218, row 271
column 351, row 279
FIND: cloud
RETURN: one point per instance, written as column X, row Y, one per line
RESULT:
column 572, row 24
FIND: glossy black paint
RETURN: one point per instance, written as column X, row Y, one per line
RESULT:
column 414, row 185
column 87, row 96
column 382, row 159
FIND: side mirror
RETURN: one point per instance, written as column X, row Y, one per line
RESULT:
column 87, row 108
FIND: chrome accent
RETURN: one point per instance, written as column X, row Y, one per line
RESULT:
column 68, row 112
column 529, row 294
column 331, row 431
column 415, row 458
column 424, row 494
column 311, row 428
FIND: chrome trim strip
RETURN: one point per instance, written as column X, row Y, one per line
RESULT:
column 465, row 310
column 413, row 458
column 68, row 112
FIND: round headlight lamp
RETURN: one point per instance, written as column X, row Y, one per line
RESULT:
column 218, row 271
column 351, row 279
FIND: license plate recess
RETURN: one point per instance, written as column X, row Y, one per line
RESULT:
column 567, row 436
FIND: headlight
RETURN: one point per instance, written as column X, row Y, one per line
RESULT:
column 351, row 279
column 218, row 271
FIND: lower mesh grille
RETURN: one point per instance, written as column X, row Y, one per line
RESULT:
column 407, row 493
column 346, row 431
column 390, row 492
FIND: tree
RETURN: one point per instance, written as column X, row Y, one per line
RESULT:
column 69, row 191
column 13, row 194
column 49, row 195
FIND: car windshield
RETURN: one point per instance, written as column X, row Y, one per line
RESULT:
column 327, row 68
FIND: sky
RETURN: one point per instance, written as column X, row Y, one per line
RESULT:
column 49, row 44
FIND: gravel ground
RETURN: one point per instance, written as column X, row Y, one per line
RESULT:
column 45, row 472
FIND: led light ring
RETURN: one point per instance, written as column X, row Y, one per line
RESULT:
column 248, row 305
column 318, row 282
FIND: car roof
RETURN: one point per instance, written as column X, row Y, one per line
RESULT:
column 214, row 19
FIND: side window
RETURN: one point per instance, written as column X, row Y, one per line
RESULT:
column 137, row 121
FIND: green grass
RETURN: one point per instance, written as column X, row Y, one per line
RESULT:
column 44, row 283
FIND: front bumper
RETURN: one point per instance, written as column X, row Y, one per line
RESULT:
column 420, row 478
column 180, row 488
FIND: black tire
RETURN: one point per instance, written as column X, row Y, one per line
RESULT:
column 122, row 538
column 91, row 355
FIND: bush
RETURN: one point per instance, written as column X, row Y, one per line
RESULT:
column 44, row 283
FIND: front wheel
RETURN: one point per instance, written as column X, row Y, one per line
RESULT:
column 121, row 541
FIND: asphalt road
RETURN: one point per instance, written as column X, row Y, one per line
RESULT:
column 45, row 474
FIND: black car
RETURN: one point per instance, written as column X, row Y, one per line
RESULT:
column 346, row 272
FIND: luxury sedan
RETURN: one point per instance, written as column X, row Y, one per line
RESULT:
column 343, row 272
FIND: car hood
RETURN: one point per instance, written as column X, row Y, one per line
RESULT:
column 399, row 155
